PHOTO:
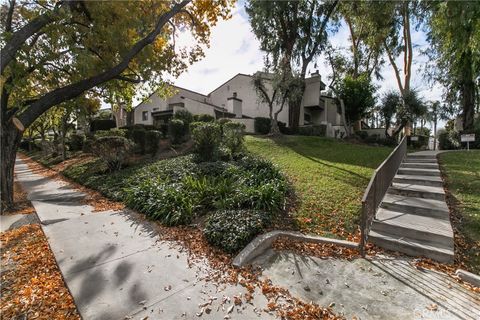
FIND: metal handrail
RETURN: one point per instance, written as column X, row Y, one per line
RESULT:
column 377, row 188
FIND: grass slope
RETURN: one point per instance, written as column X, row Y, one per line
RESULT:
column 329, row 176
column 462, row 173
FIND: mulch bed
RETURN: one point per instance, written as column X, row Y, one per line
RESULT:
column 32, row 285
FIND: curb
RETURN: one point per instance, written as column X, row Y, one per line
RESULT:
column 263, row 242
column 468, row 277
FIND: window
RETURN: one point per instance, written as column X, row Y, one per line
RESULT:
column 144, row 115
column 307, row 118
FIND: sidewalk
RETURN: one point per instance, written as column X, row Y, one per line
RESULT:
column 116, row 267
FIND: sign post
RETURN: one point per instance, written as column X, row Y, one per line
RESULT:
column 467, row 138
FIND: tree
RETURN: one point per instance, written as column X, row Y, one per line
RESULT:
column 391, row 101
column 357, row 95
column 391, row 26
column 403, row 107
column 54, row 51
column 436, row 112
column 455, row 52
column 366, row 48
column 292, row 33
column 272, row 90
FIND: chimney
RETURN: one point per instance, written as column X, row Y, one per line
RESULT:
column 234, row 105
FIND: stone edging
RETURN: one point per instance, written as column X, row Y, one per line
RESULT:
column 468, row 277
column 262, row 242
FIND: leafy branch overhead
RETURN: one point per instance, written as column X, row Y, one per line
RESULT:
column 55, row 51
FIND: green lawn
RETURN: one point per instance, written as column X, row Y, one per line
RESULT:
column 462, row 171
column 329, row 177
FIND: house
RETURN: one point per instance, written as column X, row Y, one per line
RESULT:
column 237, row 99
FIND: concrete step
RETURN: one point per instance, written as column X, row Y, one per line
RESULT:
column 419, row 172
column 421, row 156
column 419, row 160
column 433, row 181
column 418, row 206
column 418, row 191
column 427, row 229
column 419, row 165
column 412, row 247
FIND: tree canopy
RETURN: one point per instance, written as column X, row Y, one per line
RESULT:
column 54, row 51
column 454, row 32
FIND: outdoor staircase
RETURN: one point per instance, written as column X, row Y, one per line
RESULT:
column 413, row 217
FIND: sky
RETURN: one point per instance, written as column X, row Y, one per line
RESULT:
column 234, row 49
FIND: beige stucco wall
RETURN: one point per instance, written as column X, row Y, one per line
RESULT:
column 249, row 124
column 156, row 103
column 251, row 104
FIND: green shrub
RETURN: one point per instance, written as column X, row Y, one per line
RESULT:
column 177, row 131
column 111, row 133
column 248, row 183
column 137, row 135
column 448, row 140
column 185, row 116
column 102, row 124
column 76, row 141
column 203, row 118
column 315, row 130
column 112, row 150
column 152, row 140
column 207, row 137
column 232, row 230
column 233, row 136
column 223, row 121
column 167, row 203
column 362, row 134
column 262, row 125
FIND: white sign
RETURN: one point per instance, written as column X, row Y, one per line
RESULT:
column 413, row 138
column 468, row 137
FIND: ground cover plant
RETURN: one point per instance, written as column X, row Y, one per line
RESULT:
column 462, row 175
column 329, row 178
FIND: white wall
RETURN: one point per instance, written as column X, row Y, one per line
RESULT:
column 249, row 124
column 196, row 107
column 156, row 103
column 251, row 105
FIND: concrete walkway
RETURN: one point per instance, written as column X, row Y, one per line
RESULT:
column 378, row 288
column 413, row 217
column 115, row 265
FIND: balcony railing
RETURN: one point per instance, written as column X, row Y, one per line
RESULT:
column 379, row 183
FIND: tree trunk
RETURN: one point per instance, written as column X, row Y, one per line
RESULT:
column 435, row 135
column 10, row 139
column 468, row 95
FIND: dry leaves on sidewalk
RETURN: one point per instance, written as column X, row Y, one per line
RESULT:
column 32, row 286
column 93, row 198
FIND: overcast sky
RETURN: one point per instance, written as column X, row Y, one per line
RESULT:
column 234, row 49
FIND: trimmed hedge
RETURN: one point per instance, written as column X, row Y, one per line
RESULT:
column 111, row 133
column 177, row 131
column 152, row 140
column 203, row 118
column 262, row 125
column 112, row 150
column 315, row 130
column 207, row 137
column 76, row 141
